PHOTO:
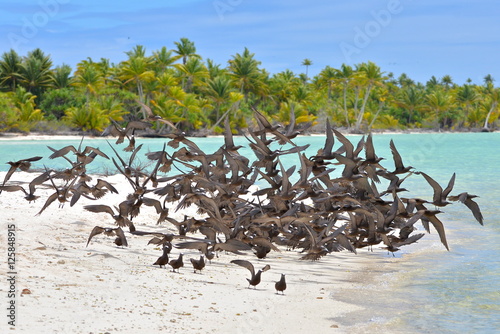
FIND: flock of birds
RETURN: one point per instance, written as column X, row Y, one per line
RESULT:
column 315, row 215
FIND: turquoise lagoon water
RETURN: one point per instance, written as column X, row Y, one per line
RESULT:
column 424, row 289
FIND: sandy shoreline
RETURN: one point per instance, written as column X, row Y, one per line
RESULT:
column 104, row 288
column 40, row 136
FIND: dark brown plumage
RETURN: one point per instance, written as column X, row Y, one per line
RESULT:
column 163, row 259
column 177, row 263
column 280, row 286
column 439, row 198
column 198, row 264
column 120, row 240
column 23, row 164
column 466, row 199
column 255, row 279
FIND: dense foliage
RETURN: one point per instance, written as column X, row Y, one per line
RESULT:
column 196, row 94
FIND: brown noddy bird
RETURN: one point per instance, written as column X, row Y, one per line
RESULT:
column 198, row 264
column 280, row 285
column 255, row 279
column 466, row 198
column 177, row 263
column 109, row 231
column 163, row 260
column 23, row 165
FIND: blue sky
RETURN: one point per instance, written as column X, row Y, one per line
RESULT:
column 420, row 38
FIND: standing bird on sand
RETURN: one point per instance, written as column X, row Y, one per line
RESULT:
column 281, row 284
column 198, row 264
column 177, row 263
column 255, row 279
column 163, row 260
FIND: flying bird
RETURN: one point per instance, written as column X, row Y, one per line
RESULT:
column 23, row 164
column 120, row 240
column 466, row 199
column 255, row 279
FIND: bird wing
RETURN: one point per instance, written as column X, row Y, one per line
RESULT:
column 49, row 201
column 95, row 231
column 398, row 161
column 266, row 268
column 105, row 184
column 32, row 159
column 474, row 207
column 13, row 188
column 119, row 233
column 449, row 188
column 349, row 148
column 438, row 225
column 261, row 241
column 11, row 171
column 369, row 149
column 99, row 208
column 246, row 264
column 62, row 151
column 437, row 188
column 153, row 202
column 89, row 149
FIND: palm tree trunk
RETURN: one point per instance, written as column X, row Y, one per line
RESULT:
column 380, row 107
column 346, row 113
column 487, row 120
column 363, row 106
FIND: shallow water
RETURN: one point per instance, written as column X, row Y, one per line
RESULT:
column 424, row 289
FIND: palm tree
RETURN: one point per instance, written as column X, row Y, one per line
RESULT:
column 193, row 72
column 185, row 50
column 215, row 70
column 282, row 85
column 488, row 80
column 162, row 59
column 467, row 98
column 137, row 70
column 327, row 77
column 89, row 78
column 10, row 68
column 61, row 76
column 138, row 51
column 35, row 72
column 307, row 62
column 447, row 81
column 371, row 76
column 441, row 104
column 404, row 80
column 433, row 82
column 244, row 71
column 345, row 75
column 491, row 105
column 218, row 90
column 411, row 99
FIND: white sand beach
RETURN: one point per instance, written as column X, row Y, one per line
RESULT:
column 64, row 287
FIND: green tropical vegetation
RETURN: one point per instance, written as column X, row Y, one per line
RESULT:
column 196, row 94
